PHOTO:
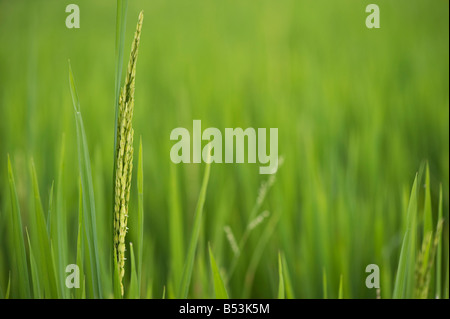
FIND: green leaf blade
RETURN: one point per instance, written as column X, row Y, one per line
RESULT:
column 281, row 290
column 88, row 194
column 189, row 264
column 219, row 286
column 47, row 268
column 21, row 264
column 133, row 290
column 404, row 281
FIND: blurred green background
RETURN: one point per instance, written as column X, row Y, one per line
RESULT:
column 357, row 110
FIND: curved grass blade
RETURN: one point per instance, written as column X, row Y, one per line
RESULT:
column 58, row 231
column 324, row 284
column 133, row 289
column 60, row 288
column 287, row 279
column 176, row 232
column 80, row 252
column 404, row 281
column 50, row 209
column 8, row 288
column 20, row 260
column 427, row 211
column 258, row 252
column 447, row 279
column 341, row 288
column 37, row 292
column 219, row 286
column 281, row 291
column 189, row 264
column 88, row 192
column 439, row 252
column 80, row 244
column 47, row 269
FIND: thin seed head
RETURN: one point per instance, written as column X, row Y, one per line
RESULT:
column 124, row 155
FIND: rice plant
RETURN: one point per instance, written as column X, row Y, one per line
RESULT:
column 363, row 142
column 124, row 156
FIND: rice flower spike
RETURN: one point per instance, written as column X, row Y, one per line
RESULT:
column 124, row 155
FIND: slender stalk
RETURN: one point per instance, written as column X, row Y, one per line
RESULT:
column 124, row 155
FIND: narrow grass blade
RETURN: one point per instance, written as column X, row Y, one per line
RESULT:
column 133, row 289
column 37, row 292
column 341, row 288
column 140, row 187
column 51, row 227
column 189, row 264
column 281, row 290
column 80, row 252
column 447, row 279
column 88, row 271
column 176, row 232
column 404, row 281
column 59, row 227
column 8, row 288
column 88, row 192
column 80, row 245
column 50, row 209
column 219, row 286
column 59, row 288
column 48, row 271
column 200, row 276
column 439, row 253
column 258, row 252
column 427, row 211
column 287, row 279
column 20, row 260
column 324, row 284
